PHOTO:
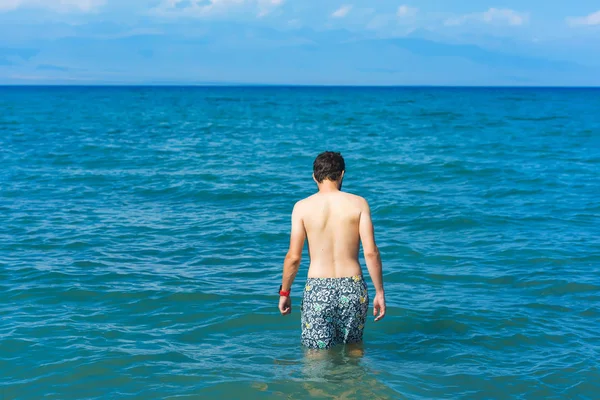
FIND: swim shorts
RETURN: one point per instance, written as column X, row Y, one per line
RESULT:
column 334, row 311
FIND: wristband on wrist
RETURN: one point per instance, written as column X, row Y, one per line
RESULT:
column 283, row 292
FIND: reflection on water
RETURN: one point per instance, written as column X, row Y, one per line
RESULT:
column 336, row 373
column 333, row 365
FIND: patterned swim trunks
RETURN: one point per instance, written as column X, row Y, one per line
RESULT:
column 334, row 311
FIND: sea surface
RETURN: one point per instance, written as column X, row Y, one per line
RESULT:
column 143, row 230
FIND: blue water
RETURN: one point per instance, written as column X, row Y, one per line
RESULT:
column 143, row 232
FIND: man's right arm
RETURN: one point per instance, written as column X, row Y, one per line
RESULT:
column 372, row 258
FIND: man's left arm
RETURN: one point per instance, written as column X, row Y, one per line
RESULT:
column 292, row 259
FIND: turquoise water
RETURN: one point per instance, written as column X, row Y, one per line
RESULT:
column 143, row 233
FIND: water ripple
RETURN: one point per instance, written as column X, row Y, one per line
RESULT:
column 144, row 230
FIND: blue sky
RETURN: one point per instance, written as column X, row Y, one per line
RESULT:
column 442, row 42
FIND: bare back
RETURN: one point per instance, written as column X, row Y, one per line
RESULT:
column 335, row 223
column 331, row 221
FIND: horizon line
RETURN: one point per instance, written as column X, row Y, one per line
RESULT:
column 290, row 85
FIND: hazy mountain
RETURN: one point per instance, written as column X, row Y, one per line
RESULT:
column 226, row 52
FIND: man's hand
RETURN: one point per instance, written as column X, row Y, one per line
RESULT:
column 285, row 305
column 378, row 306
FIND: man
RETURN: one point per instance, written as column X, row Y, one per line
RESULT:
column 335, row 302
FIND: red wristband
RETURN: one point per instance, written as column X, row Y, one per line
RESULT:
column 284, row 293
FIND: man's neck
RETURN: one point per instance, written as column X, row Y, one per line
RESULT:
column 328, row 186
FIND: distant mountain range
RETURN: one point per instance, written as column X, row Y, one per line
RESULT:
column 226, row 53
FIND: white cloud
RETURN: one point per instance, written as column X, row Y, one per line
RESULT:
column 342, row 11
column 202, row 8
column 379, row 21
column 406, row 11
column 267, row 6
column 592, row 19
column 54, row 5
column 7, row 5
column 503, row 16
column 455, row 21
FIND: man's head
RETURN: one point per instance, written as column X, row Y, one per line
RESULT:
column 330, row 166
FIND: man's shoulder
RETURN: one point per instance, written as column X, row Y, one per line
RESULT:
column 300, row 204
column 309, row 202
column 356, row 199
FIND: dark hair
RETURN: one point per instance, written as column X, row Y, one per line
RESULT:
column 328, row 165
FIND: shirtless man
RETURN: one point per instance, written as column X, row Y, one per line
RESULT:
column 335, row 302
